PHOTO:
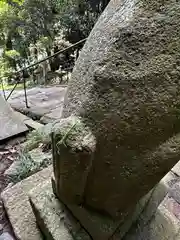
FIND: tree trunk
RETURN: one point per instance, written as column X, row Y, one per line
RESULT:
column 9, row 47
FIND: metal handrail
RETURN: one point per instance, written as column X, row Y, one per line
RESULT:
column 47, row 58
column 36, row 63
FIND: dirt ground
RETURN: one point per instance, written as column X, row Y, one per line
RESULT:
column 8, row 153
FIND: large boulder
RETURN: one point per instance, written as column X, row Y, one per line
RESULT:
column 126, row 89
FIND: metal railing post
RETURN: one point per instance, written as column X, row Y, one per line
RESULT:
column 12, row 91
column 25, row 93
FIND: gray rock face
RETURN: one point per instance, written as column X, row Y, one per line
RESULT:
column 125, row 87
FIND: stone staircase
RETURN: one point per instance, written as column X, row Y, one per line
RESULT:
column 35, row 213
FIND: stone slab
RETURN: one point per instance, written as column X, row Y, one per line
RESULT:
column 29, row 122
column 54, row 220
column 175, row 192
column 164, row 224
column 158, row 194
column 54, row 114
column 160, row 217
column 10, row 124
column 44, row 103
column 18, row 208
column 176, row 169
column 33, row 124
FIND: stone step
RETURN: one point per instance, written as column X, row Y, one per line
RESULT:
column 28, row 121
column 53, row 218
column 158, row 194
column 18, row 208
column 56, row 222
column 159, row 220
column 176, row 169
column 164, row 224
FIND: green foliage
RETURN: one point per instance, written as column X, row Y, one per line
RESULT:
column 39, row 22
column 12, row 1
column 8, row 18
column 25, row 165
column 10, row 87
column 22, row 169
column 77, row 17
column 12, row 54
column 39, row 136
column 66, row 135
column 5, row 70
column 45, row 42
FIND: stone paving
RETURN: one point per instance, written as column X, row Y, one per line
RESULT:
column 45, row 103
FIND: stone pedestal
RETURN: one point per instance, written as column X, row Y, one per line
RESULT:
column 73, row 146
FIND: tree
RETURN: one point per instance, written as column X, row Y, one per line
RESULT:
column 38, row 23
column 77, row 17
column 8, row 21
